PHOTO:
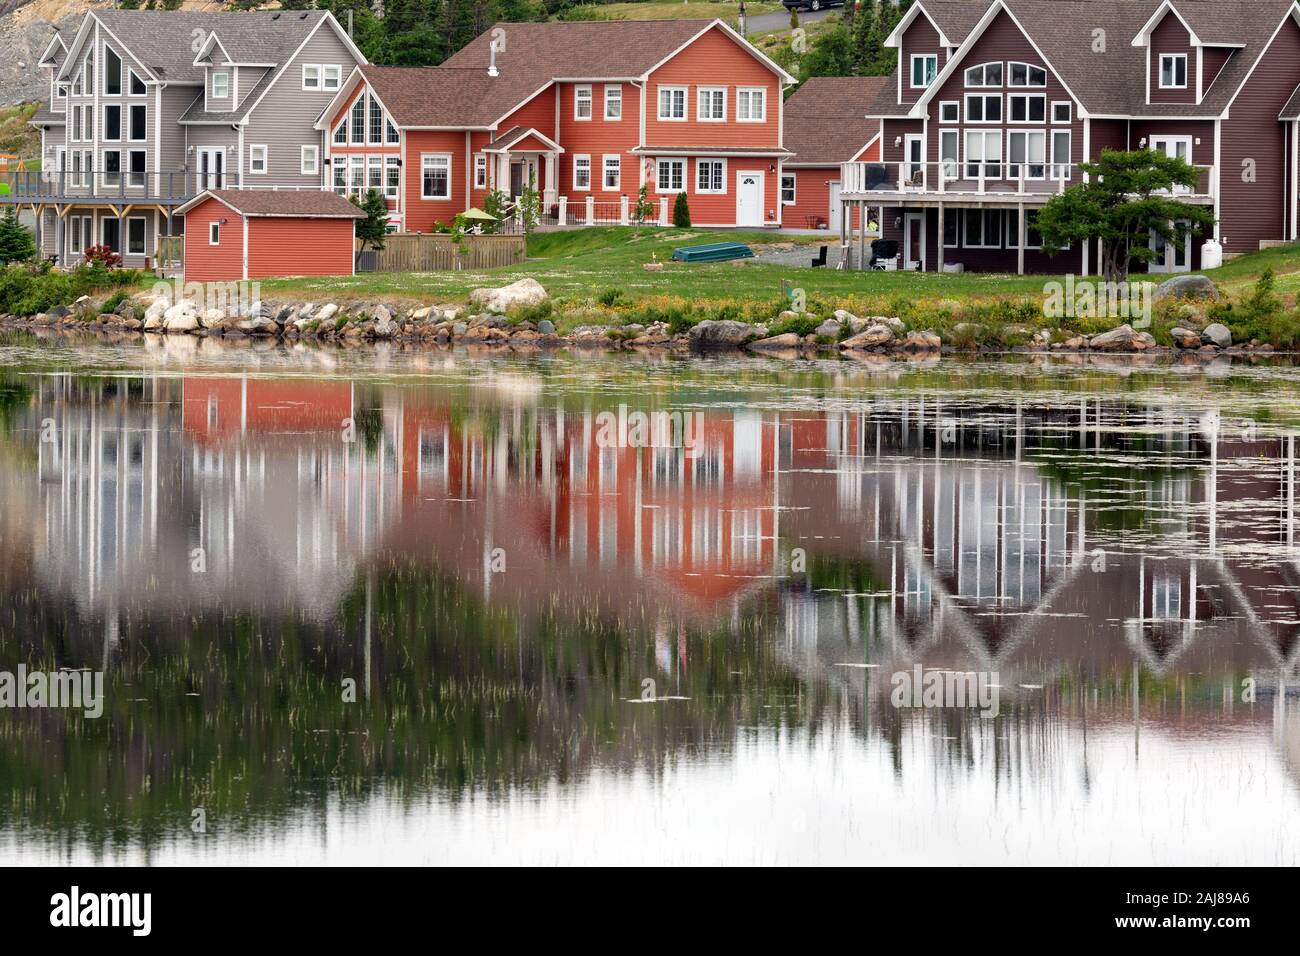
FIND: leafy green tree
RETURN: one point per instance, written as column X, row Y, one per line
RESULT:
column 682, row 212
column 17, row 244
column 864, row 22
column 1127, row 199
column 644, row 210
column 372, row 230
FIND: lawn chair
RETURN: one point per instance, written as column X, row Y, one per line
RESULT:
column 820, row 261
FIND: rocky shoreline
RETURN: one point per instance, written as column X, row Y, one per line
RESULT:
column 488, row 321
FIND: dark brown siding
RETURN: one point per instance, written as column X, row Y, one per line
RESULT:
column 921, row 37
column 1107, row 134
column 1170, row 36
column 1213, row 60
column 1200, row 131
column 1252, row 211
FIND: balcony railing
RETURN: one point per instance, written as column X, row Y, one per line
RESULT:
column 120, row 187
column 1036, row 178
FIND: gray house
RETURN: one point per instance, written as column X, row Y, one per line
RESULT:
column 147, row 108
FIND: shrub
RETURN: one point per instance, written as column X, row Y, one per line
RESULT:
column 612, row 298
column 104, row 255
column 682, row 212
column 532, row 313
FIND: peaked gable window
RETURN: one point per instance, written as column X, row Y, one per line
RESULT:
column 112, row 73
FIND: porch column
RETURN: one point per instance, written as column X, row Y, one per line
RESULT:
column 1020, row 239
column 938, row 266
column 862, row 234
column 503, row 172
column 1084, row 268
column 59, row 233
column 39, row 230
column 551, row 180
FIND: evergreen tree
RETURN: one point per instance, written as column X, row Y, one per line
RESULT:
column 881, row 59
column 682, row 212
column 17, row 244
column 864, row 22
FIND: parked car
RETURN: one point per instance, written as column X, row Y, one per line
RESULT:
column 811, row 4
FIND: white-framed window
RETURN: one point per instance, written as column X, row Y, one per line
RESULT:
column 612, row 172
column 392, row 176
column 391, row 136
column 257, row 160
column 1033, row 238
column 711, row 104
column 112, row 123
column 949, row 111
column 137, row 122
column 1061, row 154
column 136, row 161
column 984, row 153
column 983, row 107
column 357, row 121
column 375, row 174
column 112, row 72
column 925, row 67
column 982, row 228
column 214, row 233
column 309, row 161
column 480, row 170
column 581, row 172
column 74, row 234
column 1026, row 108
column 435, row 176
column 341, row 132
column 134, row 85
column 582, row 102
column 331, row 75
column 340, row 168
column 1173, row 71
column 751, row 105
column 220, row 85
column 311, row 79
column 710, row 175
column 112, row 168
column 1027, row 154
column 76, row 124
column 1025, row 74
column 986, row 74
column 356, row 175
column 613, row 101
column 672, row 103
column 670, row 175
column 135, row 236
column 1062, row 111
column 376, row 122
column 949, row 140
column 788, row 183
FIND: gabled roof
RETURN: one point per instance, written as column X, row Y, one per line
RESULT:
column 518, row 134
column 279, row 203
column 154, row 37
column 824, row 122
column 1113, row 82
column 55, row 50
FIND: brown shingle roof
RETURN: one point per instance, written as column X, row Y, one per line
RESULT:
column 313, row 203
column 825, row 123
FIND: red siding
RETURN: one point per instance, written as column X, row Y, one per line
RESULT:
column 299, row 247
column 596, row 138
column 423, row 214
column 812, row 191
column 1253, row 211
column 208, row 263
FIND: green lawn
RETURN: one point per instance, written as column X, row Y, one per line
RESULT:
column 695, row 10
column 580, row 264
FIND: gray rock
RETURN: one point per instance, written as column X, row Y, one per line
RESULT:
column 525, row 292
column 1122, row 339
column 1185, row 338
column 460, row 328
column 718, row 333
column 385, row 326
column 787, row 341
column 1186, row 287
column 1217, row 333
column 326, row 313
column 182, row 317
column 870, row 338
column 924, row 341
column 829, row 329
column 546, row 327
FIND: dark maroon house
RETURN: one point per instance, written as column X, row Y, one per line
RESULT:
column 995, row 103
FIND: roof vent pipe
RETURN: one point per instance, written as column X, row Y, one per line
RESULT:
column 492, row 59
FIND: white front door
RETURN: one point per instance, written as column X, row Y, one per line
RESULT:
column 914, row 170
column 212, row 168
column 1175, row 147
column 836, row 217
column 914, row 241
column 749, row 199
column 1171, row 256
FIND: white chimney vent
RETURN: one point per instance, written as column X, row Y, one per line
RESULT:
column 492, row 59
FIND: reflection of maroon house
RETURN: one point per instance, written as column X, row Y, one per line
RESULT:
column 216, row 408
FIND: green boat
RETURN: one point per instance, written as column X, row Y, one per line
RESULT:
column 713, row 252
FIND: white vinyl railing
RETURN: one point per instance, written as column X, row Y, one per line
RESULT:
column 1035, row 177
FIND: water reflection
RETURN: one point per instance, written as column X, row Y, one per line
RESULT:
column 234, row 549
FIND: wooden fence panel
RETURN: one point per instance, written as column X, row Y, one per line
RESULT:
column 408, row 252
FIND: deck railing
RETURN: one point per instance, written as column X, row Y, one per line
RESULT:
column 1033, row 178
column 120, row 186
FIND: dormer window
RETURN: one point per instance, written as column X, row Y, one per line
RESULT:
column 1026, row 74
column 1173, row 71
column 986, row 74
column 220, row 85
column 925, row 67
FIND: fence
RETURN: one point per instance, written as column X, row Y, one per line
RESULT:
column 407, row 252
column 170, row 254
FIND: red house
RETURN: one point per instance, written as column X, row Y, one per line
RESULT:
column 588, row 112
column 233, row 234
column 824, row 128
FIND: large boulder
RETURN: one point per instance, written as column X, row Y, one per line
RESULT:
column 721, row 333
column 829, row 329
column 1122, row 339
column 1185, row 338
column 788, row 340
column 525, row 292
column 153, row 316
column 1216, row 333
column 872, row 337
column 181, row 317
column 385, row 323
column 1186, row 287
column 922, row 341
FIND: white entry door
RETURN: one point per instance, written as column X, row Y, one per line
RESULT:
column 1175, row 147
column 1171, row 256
column 836, row 217
column 914, row 241
column 749, row 198
column 212, row 168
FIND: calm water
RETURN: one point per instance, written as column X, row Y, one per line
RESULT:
column 236, row 536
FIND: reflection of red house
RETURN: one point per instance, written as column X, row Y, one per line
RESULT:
column 214, row 408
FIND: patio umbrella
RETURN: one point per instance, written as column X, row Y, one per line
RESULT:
column 475, row 213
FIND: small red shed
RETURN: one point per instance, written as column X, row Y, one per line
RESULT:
column 235, row 234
